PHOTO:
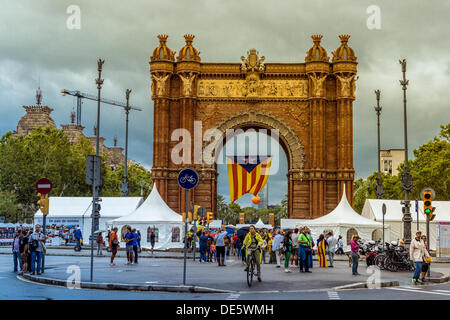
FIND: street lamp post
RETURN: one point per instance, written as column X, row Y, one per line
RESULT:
column 379, row 191
column 125, row 185
column 406, row 177
column 95, row 186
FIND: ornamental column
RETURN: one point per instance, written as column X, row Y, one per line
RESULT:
column 317, row 69
column 161, row 71
column 344, row 69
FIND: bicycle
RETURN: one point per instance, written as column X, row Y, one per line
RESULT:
column 251, row 267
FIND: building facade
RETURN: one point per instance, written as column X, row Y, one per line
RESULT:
column 390, row 159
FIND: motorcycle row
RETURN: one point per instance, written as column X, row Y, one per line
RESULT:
column 391, row 256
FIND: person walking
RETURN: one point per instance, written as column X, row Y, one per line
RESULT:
column 321, row 251
column 129, row 238
column 340, row 244
column 100, row 243
column 23, row 248
column 332, row 241
column 78, row 237
column 16, row 251
column 426, row 260
column 35, row 242
column 287, row 249
column 304, row 249
column 203, row 246
column 294, row 255
column 276, row 246
column 135, row 245
column 354, row 246
column 220, row 246
column 417, row 253
column 152, row 240
column 113, row 244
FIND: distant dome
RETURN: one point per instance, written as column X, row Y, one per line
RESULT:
column 188, row 52
column 344, row 52
column 162, row 52
column 316, row 53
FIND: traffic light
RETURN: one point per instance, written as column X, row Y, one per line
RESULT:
column 209, row 217
column 190, row 216
column 183, row 215
column 428, row 209
column 43, row 203
column 196, row 207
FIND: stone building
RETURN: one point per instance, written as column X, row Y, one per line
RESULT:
column 40, row 116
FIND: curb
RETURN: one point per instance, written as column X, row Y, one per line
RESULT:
column 123, row 286
column 364, row 285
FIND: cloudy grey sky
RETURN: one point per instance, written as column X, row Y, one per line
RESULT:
column 35, row 42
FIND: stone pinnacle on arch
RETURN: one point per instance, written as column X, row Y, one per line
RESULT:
column 316, row 52
column 188, row 52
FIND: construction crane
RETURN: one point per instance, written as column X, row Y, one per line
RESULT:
column 126, row 106
column 81, row 95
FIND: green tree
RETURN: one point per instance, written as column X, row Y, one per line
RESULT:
column 429, row 168
column 47, row 152
column 8, row 206
column 225, row 212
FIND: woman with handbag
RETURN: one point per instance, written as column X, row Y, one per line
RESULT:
column 113, row 244
column 426, row 259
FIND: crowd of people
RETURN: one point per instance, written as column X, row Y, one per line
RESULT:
column 295, row 247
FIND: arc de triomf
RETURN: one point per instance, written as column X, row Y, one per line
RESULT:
column 310, row 103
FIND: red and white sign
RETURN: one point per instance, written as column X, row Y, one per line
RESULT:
column 44, row 186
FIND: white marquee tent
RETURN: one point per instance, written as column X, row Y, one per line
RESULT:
column 373, row 210
column 154, row 214
column 343, row 220
column 77, row 211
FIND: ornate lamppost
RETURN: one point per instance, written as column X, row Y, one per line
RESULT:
column 406, row 177
column 379, row 191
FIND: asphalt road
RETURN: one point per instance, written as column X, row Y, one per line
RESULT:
column 14, row 288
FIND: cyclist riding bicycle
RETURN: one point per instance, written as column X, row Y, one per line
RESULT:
column 253, row 241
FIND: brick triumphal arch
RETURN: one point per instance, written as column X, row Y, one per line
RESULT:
column 310, row 104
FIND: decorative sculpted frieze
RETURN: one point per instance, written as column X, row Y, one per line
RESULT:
column 252, row 87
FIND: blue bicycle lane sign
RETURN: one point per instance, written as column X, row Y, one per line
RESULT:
column 188, row 178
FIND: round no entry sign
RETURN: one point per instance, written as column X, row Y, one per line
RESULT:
column 44, row 186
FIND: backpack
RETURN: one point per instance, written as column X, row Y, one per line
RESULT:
column 34, row 244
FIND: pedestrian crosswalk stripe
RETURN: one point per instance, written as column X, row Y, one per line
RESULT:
column 333, row 295
column 445, row 291
column 233, row 296
column 421, row 291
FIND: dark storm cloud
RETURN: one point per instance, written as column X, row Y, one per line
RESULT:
column 36, row 43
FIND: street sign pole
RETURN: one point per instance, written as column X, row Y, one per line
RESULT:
column 384, row 213
column 428, row 243
column 44, row 225
column 195, row 237
column 185, row 237
column 187, row 180
column 44, row 186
